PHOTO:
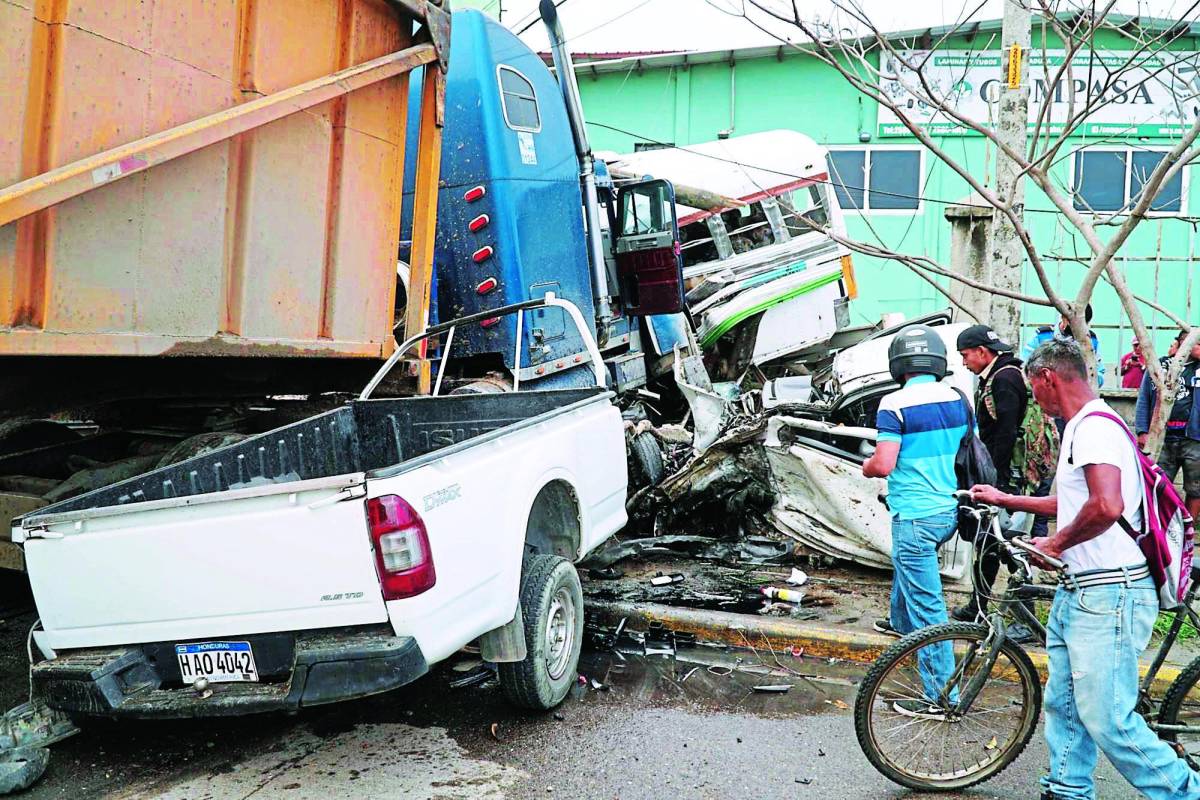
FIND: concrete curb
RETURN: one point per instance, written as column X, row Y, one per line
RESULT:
column 823, row 641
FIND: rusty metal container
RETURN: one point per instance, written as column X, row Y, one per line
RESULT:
column 203, row 177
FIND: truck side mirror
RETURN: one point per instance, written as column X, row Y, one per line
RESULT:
column 649, row 267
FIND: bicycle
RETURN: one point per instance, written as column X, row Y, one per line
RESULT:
column 987, row 711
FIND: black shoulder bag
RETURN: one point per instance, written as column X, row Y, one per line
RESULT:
column 972, row 466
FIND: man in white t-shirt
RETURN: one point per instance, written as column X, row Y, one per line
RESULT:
column 1104, row 611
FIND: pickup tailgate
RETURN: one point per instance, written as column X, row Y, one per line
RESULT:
column 274, row 558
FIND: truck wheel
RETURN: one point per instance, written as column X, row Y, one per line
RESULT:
column 552, row 609
column 27, row 434
column 645, row 460
column 198, row 445
column 21, row 766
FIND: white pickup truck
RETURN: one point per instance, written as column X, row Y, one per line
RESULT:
column 336, row 557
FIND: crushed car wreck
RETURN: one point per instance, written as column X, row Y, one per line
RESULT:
column 787, row 460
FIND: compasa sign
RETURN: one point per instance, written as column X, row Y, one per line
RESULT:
column 1138, row 94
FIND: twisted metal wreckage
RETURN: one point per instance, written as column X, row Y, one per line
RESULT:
column 780, row 462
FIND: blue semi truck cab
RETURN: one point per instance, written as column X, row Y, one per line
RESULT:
column 519, row 187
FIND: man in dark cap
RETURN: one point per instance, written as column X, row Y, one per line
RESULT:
column 1001, row 399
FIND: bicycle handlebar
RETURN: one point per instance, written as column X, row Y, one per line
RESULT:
column 978, row 510
column 1027, row 545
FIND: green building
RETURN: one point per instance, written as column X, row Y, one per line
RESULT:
column 895, row 192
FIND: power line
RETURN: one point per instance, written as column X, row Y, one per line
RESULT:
column 532, row 15
column 537, row 17
column 835, row 184
column 595, row 28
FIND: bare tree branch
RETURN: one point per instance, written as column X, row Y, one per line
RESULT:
column 823, row 54
column 851, row 58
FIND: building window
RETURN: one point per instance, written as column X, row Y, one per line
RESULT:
column 1111, row 179
column 518, row 100
column 876, row 179
column 640, row 146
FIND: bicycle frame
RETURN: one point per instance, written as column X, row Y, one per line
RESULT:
column 1184, row 613
column 1011, row 603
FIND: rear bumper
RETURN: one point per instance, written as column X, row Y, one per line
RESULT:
column 330, row 666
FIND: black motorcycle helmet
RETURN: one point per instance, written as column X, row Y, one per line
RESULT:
column 916, row 349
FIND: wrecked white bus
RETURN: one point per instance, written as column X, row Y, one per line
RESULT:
column 763, row 280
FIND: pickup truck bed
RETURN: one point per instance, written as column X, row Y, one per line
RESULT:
column 363, row 436
column 267, row 542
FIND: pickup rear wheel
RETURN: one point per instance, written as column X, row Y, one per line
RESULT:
column 552, row 609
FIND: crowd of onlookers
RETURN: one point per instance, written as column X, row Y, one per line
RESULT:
column 1045, row 427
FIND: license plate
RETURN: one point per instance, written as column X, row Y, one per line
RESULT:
column 218, row 662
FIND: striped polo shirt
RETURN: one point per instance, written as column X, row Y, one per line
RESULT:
column 929, row 420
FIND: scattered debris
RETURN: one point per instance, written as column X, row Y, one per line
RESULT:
column 798, row 577
column 786, row 595
column 778, row 610
column 666, row 580
column 750, row 550
column 777, row 688
column 659, row 641
column 495, row 729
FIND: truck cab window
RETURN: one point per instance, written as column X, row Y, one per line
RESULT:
column 647, row 210
column 518, row 100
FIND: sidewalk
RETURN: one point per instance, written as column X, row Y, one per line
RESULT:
column 716, row 604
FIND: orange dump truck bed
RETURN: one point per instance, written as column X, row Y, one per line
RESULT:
column 208, row 177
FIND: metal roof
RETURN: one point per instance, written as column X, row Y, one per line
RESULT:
column 919, row 38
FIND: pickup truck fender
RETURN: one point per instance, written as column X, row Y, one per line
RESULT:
column 555, row 522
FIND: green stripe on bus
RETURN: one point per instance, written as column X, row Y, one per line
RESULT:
column 716, row 333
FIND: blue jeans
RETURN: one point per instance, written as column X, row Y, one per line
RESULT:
column 1094, row 638
column 917, row 600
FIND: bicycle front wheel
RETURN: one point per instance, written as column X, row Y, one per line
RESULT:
column 1179, row 718
column 944, row 751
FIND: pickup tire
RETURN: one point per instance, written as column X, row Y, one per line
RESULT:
column 552, row 609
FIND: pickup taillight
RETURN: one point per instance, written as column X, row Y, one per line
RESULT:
column 402, row 555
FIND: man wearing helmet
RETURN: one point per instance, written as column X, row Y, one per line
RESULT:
column 920, row 426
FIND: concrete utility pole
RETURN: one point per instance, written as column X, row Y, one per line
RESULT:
column 1008, row 255
column 970, row 226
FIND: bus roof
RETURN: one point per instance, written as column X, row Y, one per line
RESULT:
column 748, row 168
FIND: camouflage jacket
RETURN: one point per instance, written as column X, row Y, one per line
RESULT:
column 1035, row 453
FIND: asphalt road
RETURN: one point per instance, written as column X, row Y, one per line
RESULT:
column 659, row 728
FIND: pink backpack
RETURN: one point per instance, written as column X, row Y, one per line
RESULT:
column 1167, row 538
